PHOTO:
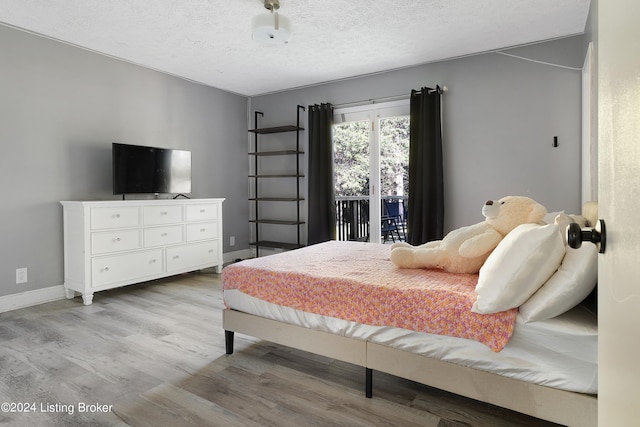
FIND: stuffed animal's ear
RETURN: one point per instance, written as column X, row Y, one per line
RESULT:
column 537, row 213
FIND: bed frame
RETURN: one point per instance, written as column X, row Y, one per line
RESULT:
column 563, row 407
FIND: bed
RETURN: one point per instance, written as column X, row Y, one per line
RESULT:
column 319, row 299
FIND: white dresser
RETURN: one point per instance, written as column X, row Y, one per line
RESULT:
column 108, row 244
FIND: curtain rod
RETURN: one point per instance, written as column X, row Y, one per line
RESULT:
column 385, row 99
column 438, row 89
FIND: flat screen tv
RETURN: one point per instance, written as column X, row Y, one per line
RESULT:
column 139, row 169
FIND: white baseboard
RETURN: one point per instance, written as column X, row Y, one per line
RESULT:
column 232, row 256
column 54, row 293
column 29, row 298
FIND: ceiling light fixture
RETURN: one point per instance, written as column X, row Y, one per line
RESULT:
column 271, row 27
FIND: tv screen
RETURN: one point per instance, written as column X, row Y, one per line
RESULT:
column 138, row 169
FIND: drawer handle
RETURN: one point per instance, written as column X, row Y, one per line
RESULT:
column 202, row 230
column 163, row 235
column 116, row 216
column 210, row 251
column 117, row 239
column 176, row 256
column 163, row 213
column 202, row 210
column 153, row 261
column 106, row 269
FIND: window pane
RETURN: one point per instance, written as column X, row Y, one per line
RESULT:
column 394, row 156
column 351, row 158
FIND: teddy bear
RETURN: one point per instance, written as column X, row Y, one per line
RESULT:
column 562, row 220
column 464, row 250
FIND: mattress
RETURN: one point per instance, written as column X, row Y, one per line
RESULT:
column 356, row 281
column 560, row 352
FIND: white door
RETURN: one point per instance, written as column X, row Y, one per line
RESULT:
column 619, row 205
column 373, row 123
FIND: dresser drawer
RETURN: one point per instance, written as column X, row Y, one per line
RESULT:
column 117, row 217
column 161, row 236
column 202, row 231
column 158, row 215
column 203, row 212
column 125, row 267
column 115, row 241
column 194, row 255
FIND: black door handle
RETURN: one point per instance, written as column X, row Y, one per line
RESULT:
column 597, row 235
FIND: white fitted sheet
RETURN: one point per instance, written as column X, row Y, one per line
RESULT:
column 559, row 352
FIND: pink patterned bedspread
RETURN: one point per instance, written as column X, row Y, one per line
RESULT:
column 357, row 282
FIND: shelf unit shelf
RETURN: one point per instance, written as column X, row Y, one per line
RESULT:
column 277, row 129
column 276, row 221
column 277, row 199
column 277, row 176
column 277, row 153
column 275, row 245
column 258, row 220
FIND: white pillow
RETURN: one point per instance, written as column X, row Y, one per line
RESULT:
column 519, row 266
column 550, row 217
column 573, row 282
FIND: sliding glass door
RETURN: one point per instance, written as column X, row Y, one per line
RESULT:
column 371, row 157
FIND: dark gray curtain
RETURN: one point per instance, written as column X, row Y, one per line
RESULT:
column 322, row 212
column 425, row 210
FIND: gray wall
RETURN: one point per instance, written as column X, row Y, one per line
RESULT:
column 500, row 116
column 61, row 107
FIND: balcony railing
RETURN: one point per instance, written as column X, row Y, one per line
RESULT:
column 352, row 218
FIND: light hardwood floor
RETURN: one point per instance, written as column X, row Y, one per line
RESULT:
column 152, row 354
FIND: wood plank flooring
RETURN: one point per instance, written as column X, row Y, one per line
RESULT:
column 152, row 354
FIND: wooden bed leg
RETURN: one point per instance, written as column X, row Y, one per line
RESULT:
column 369, row 383
column 228, row 341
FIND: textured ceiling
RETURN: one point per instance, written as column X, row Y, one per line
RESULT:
column 209, row 41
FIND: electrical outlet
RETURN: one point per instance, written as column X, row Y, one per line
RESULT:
column 21, row 275
column 232, row 240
